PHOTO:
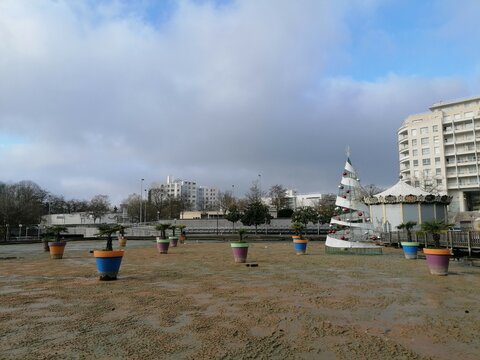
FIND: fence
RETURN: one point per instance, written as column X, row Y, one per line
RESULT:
column 469, row 240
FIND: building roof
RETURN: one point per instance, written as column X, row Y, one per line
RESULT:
column 401, row 188
column 441, row 104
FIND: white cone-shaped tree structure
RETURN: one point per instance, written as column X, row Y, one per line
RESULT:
column 350, row 230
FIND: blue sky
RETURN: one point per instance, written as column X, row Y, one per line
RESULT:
column 97, row 95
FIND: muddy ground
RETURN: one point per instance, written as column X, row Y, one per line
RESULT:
column 196, row 303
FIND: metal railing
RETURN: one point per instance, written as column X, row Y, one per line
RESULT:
column 469, row 240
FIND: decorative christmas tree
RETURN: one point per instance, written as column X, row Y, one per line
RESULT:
column 350, row 229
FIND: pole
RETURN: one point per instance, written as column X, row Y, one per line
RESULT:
column 146, row 201
column 141, row 201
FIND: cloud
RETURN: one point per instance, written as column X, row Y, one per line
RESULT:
column 217, row 94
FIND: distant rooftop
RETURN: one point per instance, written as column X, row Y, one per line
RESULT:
column 441, row 104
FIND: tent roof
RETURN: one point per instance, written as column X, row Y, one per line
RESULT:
column 402, row 189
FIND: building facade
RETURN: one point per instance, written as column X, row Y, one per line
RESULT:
column 199, row 197
column 439, row 152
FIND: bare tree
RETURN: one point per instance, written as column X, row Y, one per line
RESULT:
column 132, row 204
column 325, row 208
column 99, row 206
column 370, row 190
column 255, row 193
column 225, row 201
column 278, row 197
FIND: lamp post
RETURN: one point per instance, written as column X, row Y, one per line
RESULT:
column 8, row 233
column 141, row 201
column 26, row 232
column 146, row 202
column 20, row 227
column 158, row 215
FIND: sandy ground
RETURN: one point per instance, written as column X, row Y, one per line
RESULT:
column 196, row 303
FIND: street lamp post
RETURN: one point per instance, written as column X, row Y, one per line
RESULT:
column 141, row 201
column 146, row 202
column 20, row 234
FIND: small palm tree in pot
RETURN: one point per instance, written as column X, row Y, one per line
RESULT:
column 240, row 247
column 57, row 246
column 108, row 260
column 162, row 242
column 409, row 247
column 438, row 258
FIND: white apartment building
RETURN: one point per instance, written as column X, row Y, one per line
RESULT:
column 199, row 197
column 207, row 198
column 439, row 151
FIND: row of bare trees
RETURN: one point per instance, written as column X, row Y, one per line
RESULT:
column 24, row 203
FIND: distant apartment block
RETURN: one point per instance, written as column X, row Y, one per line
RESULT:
column 199, row 197
column 439, row 151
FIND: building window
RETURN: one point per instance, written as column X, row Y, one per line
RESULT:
column 436, row 139
column 426, row 151
column 416, row 173
column 426, row 162
column 427, row 173
column 415, row 163
column 414, row 152
column 424, row 131
column 436, row 150
column 439, row 181
column 414, row 142
column 437, row 161
column 414, row 132
column 438, row 171
column 416, row 184
column 424, row 141
column 435, row 128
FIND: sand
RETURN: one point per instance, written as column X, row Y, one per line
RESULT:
column 196, row 303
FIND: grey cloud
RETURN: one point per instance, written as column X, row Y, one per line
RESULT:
column 216, row 95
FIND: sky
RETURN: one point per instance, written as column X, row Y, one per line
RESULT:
column 96, row 95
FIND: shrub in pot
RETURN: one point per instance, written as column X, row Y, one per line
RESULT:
column 299, row 243
column 173, row 239
column 409, row 247
column 57, row 246
column 182, row 237
column 108, row 260
column 122, row 240
column 438, row 258
column 240, row 247
column 162, row 242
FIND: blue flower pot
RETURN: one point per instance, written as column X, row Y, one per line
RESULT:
column 108, row 263
column 410, row 249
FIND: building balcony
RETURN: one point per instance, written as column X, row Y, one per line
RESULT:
column 404, row 158
column 468, row 185
column 463, row 129
column 402, row 139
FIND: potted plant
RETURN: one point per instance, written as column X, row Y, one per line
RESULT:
column 409, row 247
column 122, row 240
column 57, row 246
column 299, row 244
column 108, row 260
column 162, row 242
column 240, row 247
column 438, row 258
column 182, row 237
column 173, row 239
